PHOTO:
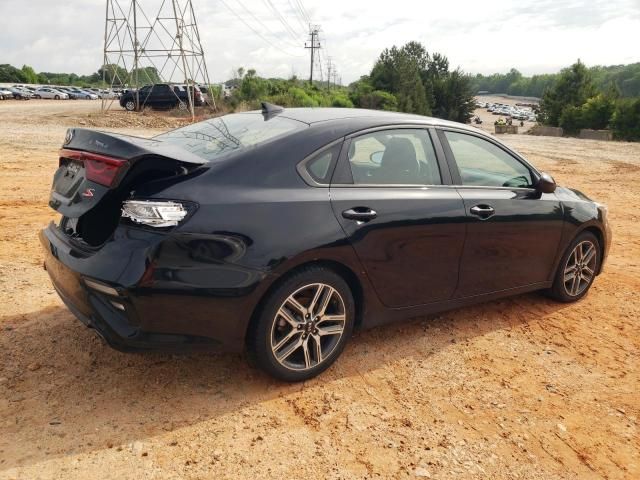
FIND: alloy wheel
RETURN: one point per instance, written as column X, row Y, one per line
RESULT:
column 580, row 268
column 308, row 326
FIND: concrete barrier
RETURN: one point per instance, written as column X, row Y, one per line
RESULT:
column 596, row 134
column 546, row 131
column 506, row 128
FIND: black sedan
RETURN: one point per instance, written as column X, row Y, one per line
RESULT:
column 280, row 231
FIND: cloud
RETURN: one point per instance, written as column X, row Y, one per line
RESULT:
column 493, row 35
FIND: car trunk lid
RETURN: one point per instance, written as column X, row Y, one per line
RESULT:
column 95, row 164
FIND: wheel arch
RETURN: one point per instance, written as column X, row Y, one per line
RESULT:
column 347, row 274
column 599, row 234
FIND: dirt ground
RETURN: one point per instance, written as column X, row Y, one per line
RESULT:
column 522, row 388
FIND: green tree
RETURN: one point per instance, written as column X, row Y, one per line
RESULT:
column 145, row 76
column 597, row 111
column 253, row 87
column 626, row 120
column 453, row 96
column 572, row 89
column 29, row 74
column 114, row 74
column 399, row 71
column 9, row 73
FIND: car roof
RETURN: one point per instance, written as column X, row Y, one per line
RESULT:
column 319, row 115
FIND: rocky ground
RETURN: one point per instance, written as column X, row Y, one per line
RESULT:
column 517, row 388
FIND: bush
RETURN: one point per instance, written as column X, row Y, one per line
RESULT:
column 597, row 112
column 626, row 120
column 571, row 119
column 300, row 98
column 378, row 100
column 341, row 100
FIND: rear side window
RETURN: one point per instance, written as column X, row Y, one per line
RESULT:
column 214, row 138
column 481, row 163
column 394, row 157
column 320, row 166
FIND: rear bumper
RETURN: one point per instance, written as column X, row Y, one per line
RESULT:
column 120, row 293
column 112, row 316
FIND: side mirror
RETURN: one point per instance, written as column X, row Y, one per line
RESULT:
column 376, row 157
column 546, row 183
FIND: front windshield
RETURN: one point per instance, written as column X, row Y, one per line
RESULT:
column 219, row 136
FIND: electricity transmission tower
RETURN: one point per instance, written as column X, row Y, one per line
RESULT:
column 313, row 45
column 153, row 41
column 330, row 70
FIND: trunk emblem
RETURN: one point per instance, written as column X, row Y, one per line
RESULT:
column 68, row 137
column 88, row 192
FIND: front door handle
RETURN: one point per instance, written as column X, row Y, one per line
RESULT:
column 362, row 214
column 482, row 211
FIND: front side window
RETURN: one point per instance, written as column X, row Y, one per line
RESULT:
column 394, row 157
column 481, row 163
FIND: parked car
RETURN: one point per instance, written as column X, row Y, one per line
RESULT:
column 280, row 231
column 84, row 94
column 160, row 95
column 72, row 94
column 26, row 87
column 110, row 94
column 96, row 91
column 46, row 92
column 206, row 95
column 20, row 94
column 5, row 93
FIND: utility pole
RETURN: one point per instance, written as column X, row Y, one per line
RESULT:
column 329, row 70
column 313, row 45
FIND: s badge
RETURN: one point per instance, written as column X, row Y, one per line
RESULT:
column 68, row 137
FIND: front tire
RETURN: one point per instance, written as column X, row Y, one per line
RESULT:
column 577, row 269
column 303, row 325
column 130, row 106
column 57, row 97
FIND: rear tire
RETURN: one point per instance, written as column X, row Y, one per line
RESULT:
column 577, row 269
column 57, row 97
column 303, row 325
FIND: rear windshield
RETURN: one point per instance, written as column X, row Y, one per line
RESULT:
column 219, row 136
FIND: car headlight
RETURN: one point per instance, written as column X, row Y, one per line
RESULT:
column 155, row 213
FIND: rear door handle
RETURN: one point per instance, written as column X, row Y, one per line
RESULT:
column 482, row 211
column 362, row 214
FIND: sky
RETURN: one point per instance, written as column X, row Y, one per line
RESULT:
column 481, row 36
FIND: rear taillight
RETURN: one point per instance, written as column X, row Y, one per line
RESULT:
column 98, row 168
column 155, row 213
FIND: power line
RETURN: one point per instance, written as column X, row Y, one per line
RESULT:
column 257, row 32
column 263, row 25
column 303, row 11
column 283, row 20
column 298, row 16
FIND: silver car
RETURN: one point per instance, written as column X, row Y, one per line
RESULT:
column 46, row 92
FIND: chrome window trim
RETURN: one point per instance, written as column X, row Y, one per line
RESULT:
column 301, row 167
